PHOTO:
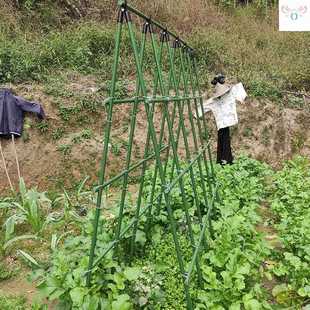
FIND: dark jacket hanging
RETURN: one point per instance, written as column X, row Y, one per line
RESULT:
column 12, row 110
column 224, row 154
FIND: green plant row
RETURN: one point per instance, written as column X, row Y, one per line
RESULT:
column 231, row 266
column 290, row 204
column 235, row 267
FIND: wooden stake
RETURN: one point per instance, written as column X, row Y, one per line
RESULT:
column 16, row 158
column 5, row 168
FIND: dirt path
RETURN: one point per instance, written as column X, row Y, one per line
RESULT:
column 266, row 227
column 20, row 286
column 273, row 241
column 17, row 285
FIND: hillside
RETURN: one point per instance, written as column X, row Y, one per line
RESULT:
column 63, row 61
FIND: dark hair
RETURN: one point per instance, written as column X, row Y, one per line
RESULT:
column 220, row 78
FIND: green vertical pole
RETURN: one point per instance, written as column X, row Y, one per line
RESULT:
column 200, row 130
column 130, row 142
column 191, row 119
column 164, row 38
column 158, row 162
column 204, row 122
column 161, row 137
column 175, row 151
column 205, row 127
column 187, row 151
column 175, row 85
column 146, row 152
column 105, row 153
column 204, row 154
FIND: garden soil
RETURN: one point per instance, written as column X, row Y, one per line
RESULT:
column 266, row 131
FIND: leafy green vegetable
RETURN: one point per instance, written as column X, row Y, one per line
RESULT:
column 233, row 266
column 290, row 204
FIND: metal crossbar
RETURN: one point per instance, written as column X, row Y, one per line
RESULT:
column 175, row 91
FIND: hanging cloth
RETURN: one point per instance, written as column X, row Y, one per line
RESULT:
column 12, row 110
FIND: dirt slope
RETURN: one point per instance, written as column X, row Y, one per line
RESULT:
column 266, row 131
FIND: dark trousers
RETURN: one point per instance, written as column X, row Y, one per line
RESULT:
column 224, row 155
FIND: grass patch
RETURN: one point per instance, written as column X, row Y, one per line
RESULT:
column 12, row 302
column 265, row 61
column 5, row 272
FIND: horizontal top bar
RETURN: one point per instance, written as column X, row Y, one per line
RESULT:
column 123, row 3
column 152, row 99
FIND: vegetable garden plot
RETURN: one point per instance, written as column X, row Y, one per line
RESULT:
column 166, row 84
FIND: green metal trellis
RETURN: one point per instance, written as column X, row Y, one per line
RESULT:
column 175, row 89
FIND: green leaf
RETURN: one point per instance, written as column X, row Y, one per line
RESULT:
column 252, row 304
column 227, row 279
column 77, row 295
column 278, row 289
column 90, row 303
column 140, row 237
column 29, row 258
column 22, row 188
column 244, row 269
column 268, row 275
column 282, row 293
column 82, row 185
column 122, row 303
column 132, row 273
column 304, row 291
column 51, row 288
column 56, row 294
column 9, row 227
column 239, row 284
column 54, row 242
column 16, row 239
column 235, row 306
column 119, row 281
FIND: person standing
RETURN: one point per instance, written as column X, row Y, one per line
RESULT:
column 223, row 106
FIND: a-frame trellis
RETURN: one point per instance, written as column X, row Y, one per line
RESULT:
column 175, row 89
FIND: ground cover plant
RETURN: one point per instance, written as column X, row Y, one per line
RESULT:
column 290, row 205
column 12, row 303
column 235, row 269
column 232, row 255
column 267, row 64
